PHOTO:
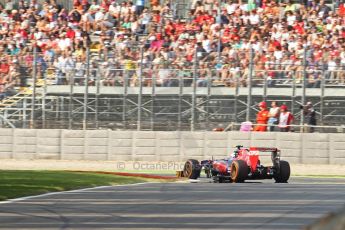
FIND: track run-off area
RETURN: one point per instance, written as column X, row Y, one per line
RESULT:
column 180, row 205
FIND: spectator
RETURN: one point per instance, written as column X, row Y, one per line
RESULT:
column 69, row 68
column 129, row 66
column 4, row 68
column 139, row 6
column 2, row 91
column 23, row 74
column 273, row 116
column 310, row 116
column 246, row 126
column 285, row 119
column 9, row 5
column 262, row 118
column 60, row 75
column 80, row 72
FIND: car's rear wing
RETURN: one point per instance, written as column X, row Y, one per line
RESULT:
column 263, row 149
column 275, row 153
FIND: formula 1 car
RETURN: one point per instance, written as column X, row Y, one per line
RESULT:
column 244, row 164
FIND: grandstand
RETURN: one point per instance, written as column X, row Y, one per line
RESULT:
column 168, row 65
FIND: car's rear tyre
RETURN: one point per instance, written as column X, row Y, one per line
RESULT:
column 239, row 171
column 283, row 174
column 192, row 169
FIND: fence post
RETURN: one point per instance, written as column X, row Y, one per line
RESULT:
column 209, row 92
column 140, row 87
column 70, row 104
column 304, row 86
column 237, row 87
column 250, row 77
column 98, row 89
column 153, row 96
column 86, row 93
column 44, row 99
column 264, row 96
column 33, row 98
column 323, row 85
column 194, row 90
column 180, row 94
column 293, row 96
column 25, row 105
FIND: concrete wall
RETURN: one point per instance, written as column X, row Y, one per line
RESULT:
column 315, row 148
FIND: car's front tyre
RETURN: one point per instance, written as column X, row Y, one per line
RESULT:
column 238, row 171
column 192, row 169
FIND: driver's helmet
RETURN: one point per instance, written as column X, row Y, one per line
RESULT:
column 235, row 153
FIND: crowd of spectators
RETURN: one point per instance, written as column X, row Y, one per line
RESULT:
column 280, row 37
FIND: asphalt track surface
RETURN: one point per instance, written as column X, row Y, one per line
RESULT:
column 201, row 205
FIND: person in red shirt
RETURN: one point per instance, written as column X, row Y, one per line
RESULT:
column 341, row 11
column 179, row 27
column 299, row 27
column 70, row 33
column 4, row 69
column 169, row 28
column 285, row 119
column 262, row 118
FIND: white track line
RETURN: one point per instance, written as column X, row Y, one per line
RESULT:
column 70, row 191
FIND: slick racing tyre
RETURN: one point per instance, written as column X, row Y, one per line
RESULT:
column 283, row 174
column 192, row 169
column 239, row 171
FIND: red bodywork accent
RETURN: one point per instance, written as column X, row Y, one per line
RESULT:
column 220, row 166
column 251, row 156
column 253, row 162
column 261, row 149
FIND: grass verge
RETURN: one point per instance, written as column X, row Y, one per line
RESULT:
column 17, row 183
